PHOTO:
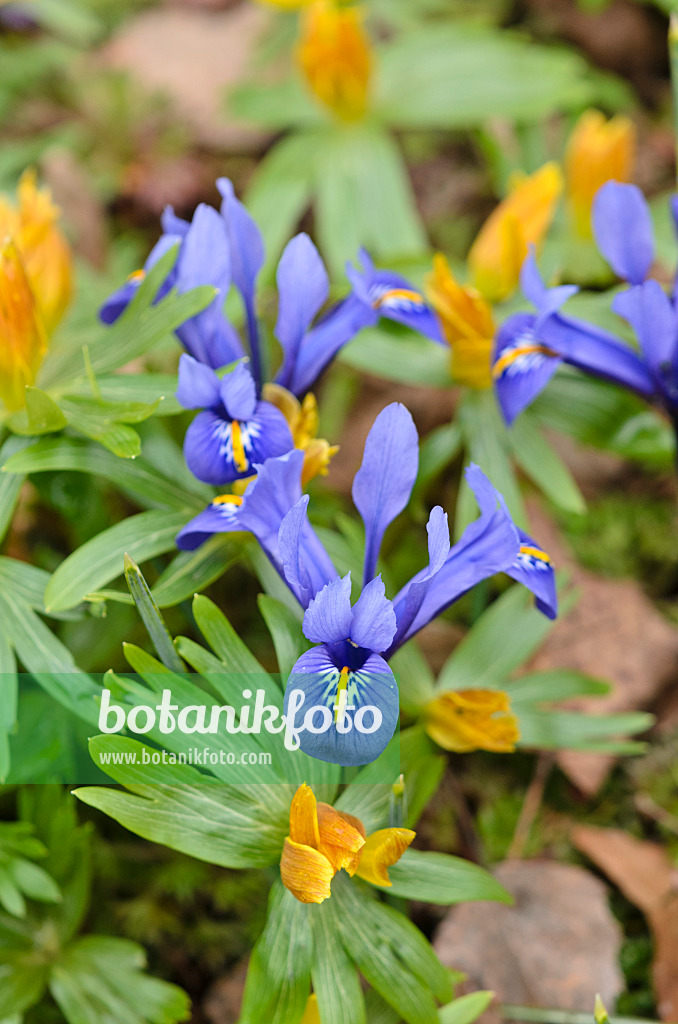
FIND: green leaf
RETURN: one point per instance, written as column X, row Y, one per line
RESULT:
column 137, row 478
column 334, row 976
column 454, row 75
column 500, row 641
column 571, row 730
column 466, row 1009
column 147, row 388
column 232, row 826
column 558, row 684
column 193, row 571
column 285, row 629
column 544, row 466
column 100, row 559
column 21, row 986
column 10, row 486
column 486, row 441
column 400, row 356
column 274, row 106
column 222, row 638
column 33, row 881
column 279, row 975
column 151, row 617
column 440, row 878
column 41, row 416
column 100, row 980
column 438, row 449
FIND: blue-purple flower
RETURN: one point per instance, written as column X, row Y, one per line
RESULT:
column 530, row 348
column 347, row 669
column 235, row 431
column 226, row 248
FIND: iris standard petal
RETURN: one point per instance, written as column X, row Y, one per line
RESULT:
column 374, row 621
column 246, row 242
column 303, row 287
column 438, row 531
column 173, row 225
column 306, row 565
column 198, row 384
column 221, row 516
column 382, row 849
column 623, row 230
column 319, row 680
column 546, row 300
column 534, row 569
column 305, row 872
column 210, row 338
column 650, row 312
column 321, row 344
column 384, row 482
column 238, row 393
column 522, row 364
column 393, row 297
column 205, row 257
column 329, row 615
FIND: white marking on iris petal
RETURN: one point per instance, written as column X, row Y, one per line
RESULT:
column 222, row 431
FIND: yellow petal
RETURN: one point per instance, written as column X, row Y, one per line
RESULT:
column 597, row 151
column 305, row 872
column 467, row 322
column 342, row 837
column 521, row 220
column 304, row 818
column 311, row 1013
column 466, row 720
column 335, row 57
column 23, row 341
column 302, row 419
column 381, row 850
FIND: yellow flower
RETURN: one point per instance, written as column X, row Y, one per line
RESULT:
column 597, row 151
column 466, row 720
column 32, row 226
column 311, row 1013
column 521, row 220
column 335, row 57
column 303, row 423
column 323, row 840
column 467, row 322
column 23, row 341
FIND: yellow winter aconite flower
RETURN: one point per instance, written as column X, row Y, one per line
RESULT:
column 598, row 150
column 23, row 341
column 467, row 323
column 323, row 840
column 335, row 57
column 32, row 224
column 465, row 720
column 311, row 1013
column 302, row 418
column 520, row 220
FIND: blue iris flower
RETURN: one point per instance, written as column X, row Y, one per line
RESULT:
column 235, row 431
column 529, row 348
column 347, row 669
column 226, row 248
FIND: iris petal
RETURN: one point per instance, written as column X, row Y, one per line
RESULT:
column 198, row 384
column 303, row 287
column 329, row 615
column 374, row 621
column 623, row 229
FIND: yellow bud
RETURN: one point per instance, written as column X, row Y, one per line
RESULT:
column 466, row 720
column 335, row 57
column 597, row 151
column 520, row 220
column 23, row 341
column 467, row 323
column 302, row 419
column 311, row 1013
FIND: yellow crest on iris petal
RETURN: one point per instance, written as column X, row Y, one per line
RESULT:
column 520, row 220
column 466, row 720
column 467, row 322
column 23, row 340
column 323, row 840
column 335, row 57
column 598, row 150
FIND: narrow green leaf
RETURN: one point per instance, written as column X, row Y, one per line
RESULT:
column 543, row 465
column 335, row 979
column 222, row 638
column 193, row 571
column 41, row 416
column 100, row 559
column 285, row 629
column 152, row 619
column 466, row 1009
column 440, row 878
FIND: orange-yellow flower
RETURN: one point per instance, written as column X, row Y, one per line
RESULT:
column 467, row 322
column 323, row 840
column 302, row 418
column 335, row 57
column 311, row 1013
column 23, row 341
column 521, row 220
column 598, row 150
column 465, row 720
column 32, row 226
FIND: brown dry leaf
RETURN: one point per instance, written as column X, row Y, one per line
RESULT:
column 613, row 633
column 647, row 877
column 556, row 947
column 194, row 56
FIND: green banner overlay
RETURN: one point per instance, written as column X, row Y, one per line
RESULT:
column 164, row 728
